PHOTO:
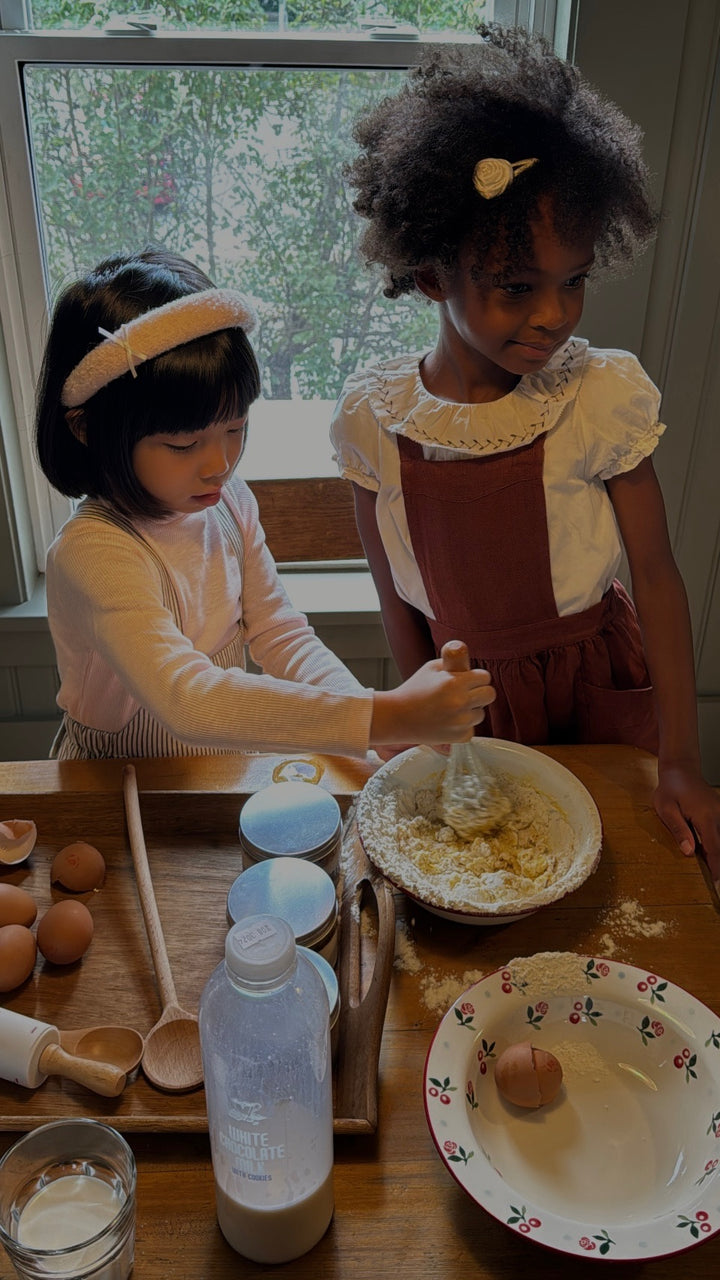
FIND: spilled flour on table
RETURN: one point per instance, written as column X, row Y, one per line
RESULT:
column 406, row 956
column 438, row 990
column 628, row 919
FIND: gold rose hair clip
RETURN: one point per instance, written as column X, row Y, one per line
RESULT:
column 491, row 176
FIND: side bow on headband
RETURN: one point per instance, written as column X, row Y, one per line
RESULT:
column 491, row 176
column 120, row 336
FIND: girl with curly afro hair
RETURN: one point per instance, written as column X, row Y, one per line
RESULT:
column 498, row 476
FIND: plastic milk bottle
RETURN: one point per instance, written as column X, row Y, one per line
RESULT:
column 264, row 1031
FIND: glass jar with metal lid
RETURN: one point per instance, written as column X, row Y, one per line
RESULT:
column 297, row 891
column 292, row 820
column 332, row 987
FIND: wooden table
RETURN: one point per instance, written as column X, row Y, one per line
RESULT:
column 398, row 1213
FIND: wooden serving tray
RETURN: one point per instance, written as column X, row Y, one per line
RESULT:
column 194, row 855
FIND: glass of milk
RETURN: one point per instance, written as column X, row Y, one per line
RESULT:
column 67, row 1202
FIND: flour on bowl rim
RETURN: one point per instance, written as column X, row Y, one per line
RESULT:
column 528, row 862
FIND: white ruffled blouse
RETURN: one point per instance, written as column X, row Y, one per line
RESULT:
column 597, row 409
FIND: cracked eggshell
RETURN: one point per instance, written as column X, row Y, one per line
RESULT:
column 17, row 840
column 528, row 1077
column 78, row 867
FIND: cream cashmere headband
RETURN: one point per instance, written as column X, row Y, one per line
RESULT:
column 153, row 333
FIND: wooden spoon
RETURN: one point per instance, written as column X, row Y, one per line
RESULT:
column 171, row 1059
column 121, row 1046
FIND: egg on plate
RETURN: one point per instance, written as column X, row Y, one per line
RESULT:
column 528, row 1077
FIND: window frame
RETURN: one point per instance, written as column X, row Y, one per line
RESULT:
column 23, row 294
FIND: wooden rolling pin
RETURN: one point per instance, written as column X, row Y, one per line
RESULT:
column 30, row 1051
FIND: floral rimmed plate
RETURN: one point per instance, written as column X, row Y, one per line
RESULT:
column 395, row 790
column 625, row 1163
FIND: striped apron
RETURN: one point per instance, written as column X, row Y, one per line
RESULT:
column 144, row 735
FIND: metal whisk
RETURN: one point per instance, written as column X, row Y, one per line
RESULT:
column 471, row 800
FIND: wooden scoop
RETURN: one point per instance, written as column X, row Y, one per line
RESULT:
column 171, row 1059
column 101, row 1077
column 471, row 801
column 121, row 1046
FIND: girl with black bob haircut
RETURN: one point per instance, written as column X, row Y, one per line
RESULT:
column 499, row 475
column 210, row 379
column 161, row 578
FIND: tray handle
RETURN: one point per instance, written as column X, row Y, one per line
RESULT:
column 362, row 1016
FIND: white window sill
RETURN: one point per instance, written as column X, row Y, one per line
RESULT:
column 328, row 598
column 341, row 606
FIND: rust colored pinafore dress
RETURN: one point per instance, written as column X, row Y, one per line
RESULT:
column 479, row 534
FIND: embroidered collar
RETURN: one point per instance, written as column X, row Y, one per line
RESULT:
column 402, row 404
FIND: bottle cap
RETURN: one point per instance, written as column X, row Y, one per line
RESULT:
column 260, row 949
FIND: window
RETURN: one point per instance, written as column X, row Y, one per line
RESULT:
column 219, row 130
column 240, row 169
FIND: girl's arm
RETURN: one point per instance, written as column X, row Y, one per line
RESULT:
column 682, row 796
column 406, row 628
column 117, row 641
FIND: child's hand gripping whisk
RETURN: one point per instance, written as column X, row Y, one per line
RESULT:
column 472, row 801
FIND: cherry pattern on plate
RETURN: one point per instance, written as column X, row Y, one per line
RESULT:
column 699, row 1223
column 442, row 1089
column 686, row 1061
column 708, row 1171
column 650, row 1029
column 655, row 987
column 524, row 1224
column 585, row 1010
column 484, row 1053
column 602, row 1242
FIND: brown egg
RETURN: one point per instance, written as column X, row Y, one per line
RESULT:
column 16, row 906
column 17, row 955
column 65, row 932
column 78, row 867
column 526, row 1076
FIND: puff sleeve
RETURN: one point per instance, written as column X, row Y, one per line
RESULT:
column 354, row 434
column 617, row 412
